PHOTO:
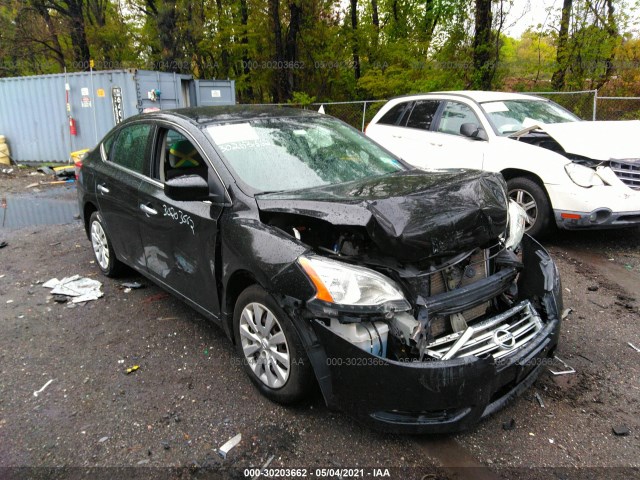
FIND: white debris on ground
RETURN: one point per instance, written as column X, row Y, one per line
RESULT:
column 82, row 289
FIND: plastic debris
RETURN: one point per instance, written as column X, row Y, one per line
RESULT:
column 38, row 392
column 566, row 313
column 226, row 448
column 633, row 346
column 133, row 285
column 80, row 288
column 568, row 369
column 103, row 439
column 621, row 430
column 266, row 465
column 539, row 399
column 132, row 369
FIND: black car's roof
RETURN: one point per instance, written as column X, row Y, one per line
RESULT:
column 230, row 113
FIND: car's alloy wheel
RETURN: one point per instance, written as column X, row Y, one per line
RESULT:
column 102, row 249
column 533, row 199
column 268, row 343
column 264, row 345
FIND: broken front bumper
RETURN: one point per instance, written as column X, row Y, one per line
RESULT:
column 452, row 392
column 429, row 397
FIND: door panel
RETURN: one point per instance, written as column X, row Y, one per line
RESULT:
column 179, row 237
column 117, row 182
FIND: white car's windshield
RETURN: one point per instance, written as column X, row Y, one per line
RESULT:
column 291, row 153
column 510, row 116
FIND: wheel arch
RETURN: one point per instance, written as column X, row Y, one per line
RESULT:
column 238, row 282
column 87, row 211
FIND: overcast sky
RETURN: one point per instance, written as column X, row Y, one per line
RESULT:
column 530, row 12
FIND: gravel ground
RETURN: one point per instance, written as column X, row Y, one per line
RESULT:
column 190, row 394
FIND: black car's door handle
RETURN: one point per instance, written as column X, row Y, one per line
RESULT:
column 148, row 210
column 103, row 189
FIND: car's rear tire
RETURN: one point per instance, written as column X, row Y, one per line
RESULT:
column 102, row 248
column 533, row 199
column 271, row 350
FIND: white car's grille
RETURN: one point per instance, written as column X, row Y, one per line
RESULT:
column 497, row 336
column 629, row 173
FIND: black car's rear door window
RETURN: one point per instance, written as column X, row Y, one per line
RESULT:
column 423, row 113
column 130, row 147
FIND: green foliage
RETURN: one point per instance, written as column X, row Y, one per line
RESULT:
column 402, row 46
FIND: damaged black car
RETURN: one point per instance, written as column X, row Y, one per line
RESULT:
column 412, row 298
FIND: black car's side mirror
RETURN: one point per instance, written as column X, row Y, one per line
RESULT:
column 187, row 188
column 472, row 130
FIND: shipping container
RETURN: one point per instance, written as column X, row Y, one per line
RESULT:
column 45, row 117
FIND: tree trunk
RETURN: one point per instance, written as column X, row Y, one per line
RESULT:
column 562, row 50
column 51, row 31
column 277, row 88
column 291, row 48
column 354, row 39
column 167, row 19
column 482, row 46
column 74, row 11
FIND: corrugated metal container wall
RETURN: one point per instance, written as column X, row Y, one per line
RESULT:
column 34, row 117
column 33, row 112
column 215, row 92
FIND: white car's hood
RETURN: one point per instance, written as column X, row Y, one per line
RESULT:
column 601, row 140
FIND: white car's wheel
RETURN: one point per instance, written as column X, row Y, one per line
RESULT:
column 272, row 353
column 532, row 198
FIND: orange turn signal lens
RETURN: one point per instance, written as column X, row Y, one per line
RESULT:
column 571, row 216
column 321, row 291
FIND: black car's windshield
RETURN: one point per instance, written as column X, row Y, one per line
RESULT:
column 510, row 116
column 291, row 153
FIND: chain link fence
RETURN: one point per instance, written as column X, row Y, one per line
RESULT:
column 585, row 104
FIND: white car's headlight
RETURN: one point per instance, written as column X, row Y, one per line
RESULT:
column 517, row 225
column 583, row 176
column 345, row 284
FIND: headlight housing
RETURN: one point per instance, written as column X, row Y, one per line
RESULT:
column 350, row 285
column 516, row 226
column 583, row 176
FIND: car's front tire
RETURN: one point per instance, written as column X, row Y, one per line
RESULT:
column 271, row 350
column 533, row 199
column 102, row 248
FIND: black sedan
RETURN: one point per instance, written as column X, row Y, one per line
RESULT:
column 412, row 298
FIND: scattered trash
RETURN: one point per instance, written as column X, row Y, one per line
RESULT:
column 539, row 399
column 566, row 313
column 621, row 430
column 143, row 462
column 54, row 244
column 264, row 467
column 37, row 392
column 121, row 361
column 568, row 369
column 593, row 288
column 633, row 346
column 132, row 369
column 224, row 449
column 3, row 244
column 510, row 425
column 103, row 439
column 60, row 298
column 81, row 288
column 9, row 301
column 31, row 185
column 46, row 170
column 133, row 285
column 551, row 440
column 8, row 171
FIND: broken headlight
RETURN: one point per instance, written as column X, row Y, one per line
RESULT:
column 345, row 284
column 583, row 176
column 516, row 225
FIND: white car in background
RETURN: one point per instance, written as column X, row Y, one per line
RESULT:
column 562, row 170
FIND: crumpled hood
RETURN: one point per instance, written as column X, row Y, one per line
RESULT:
column 600, row 140
column 412, row 215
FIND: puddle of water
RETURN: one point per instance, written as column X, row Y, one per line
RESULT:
column 54, row 206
